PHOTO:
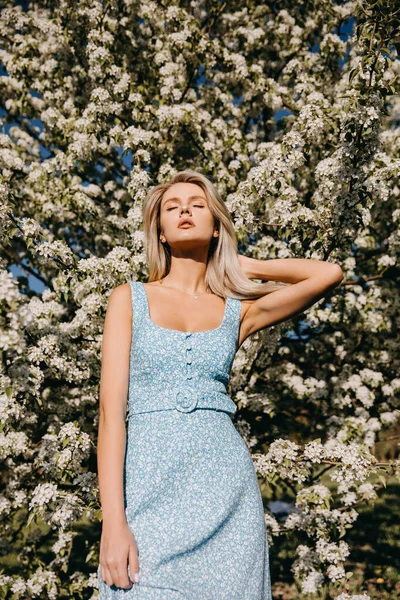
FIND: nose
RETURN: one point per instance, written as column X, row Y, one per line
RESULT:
column 183, row 209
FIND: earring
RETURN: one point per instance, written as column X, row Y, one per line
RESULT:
column 162, row 238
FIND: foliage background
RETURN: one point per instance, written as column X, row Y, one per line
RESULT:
column 292, row 110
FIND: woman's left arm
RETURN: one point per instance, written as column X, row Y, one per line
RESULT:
column 311, row 280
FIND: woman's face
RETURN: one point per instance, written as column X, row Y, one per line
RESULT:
column 186, row 200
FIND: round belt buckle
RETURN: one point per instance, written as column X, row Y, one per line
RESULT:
column 185, row 402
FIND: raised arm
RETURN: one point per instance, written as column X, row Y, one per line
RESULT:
column 117, row 546
column 310, row 279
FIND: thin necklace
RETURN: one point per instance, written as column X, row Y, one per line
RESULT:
column 195, row 297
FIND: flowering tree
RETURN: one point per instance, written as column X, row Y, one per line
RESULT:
column 290, row 108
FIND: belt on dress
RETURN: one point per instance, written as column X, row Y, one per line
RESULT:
column 184, row 399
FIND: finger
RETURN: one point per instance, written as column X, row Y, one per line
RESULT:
column 133, row 563
column 115, row 575
column 122, row 579
column 106, row 575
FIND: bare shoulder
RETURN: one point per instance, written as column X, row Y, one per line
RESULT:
column 120, row 302
column 121, row 292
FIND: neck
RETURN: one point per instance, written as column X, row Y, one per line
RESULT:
column 187, row 274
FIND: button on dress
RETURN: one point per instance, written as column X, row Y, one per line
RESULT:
column 191, row 493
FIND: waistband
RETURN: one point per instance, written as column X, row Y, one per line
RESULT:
column 183, row 399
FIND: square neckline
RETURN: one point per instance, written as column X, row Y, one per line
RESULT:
column 180, row 330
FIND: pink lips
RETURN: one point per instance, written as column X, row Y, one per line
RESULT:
column 185, row 223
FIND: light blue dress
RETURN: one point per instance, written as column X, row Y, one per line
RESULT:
column 191, row 492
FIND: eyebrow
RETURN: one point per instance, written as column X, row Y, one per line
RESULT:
column 190, row 198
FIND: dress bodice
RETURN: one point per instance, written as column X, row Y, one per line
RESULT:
column 174, row 369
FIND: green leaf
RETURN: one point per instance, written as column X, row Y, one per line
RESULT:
column 352, row 74
column 30, row 518
column 382, row 479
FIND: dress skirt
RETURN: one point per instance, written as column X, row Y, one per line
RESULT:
column 193, row 503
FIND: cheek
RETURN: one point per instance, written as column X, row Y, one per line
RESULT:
column 168, row 218
column 205, row 223
column 205, row 217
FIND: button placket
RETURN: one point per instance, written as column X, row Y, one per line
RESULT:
column 188, row 353
column 187, row 400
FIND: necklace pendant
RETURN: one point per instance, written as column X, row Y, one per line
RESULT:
column 195, row 297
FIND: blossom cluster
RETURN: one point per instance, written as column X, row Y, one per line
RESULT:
column 293, row 115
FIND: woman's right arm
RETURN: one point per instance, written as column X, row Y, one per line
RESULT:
column 118, row 546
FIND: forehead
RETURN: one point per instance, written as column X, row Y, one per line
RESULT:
column 183, row 191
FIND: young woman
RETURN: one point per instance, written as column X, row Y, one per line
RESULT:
column 182, row 510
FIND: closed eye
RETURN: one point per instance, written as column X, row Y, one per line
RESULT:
column 196, row 205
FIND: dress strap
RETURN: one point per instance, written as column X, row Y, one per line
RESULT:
column 234, row 306
column 137, row 304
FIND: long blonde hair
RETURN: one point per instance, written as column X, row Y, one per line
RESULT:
column 224, row 275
